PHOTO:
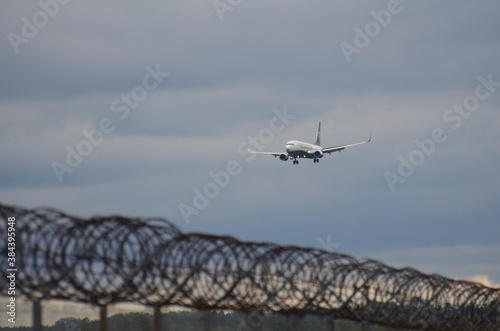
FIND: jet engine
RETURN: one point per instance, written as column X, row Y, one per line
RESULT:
column 318, row 154
column 284, row 157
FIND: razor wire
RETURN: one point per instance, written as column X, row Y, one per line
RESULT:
column 114, row 259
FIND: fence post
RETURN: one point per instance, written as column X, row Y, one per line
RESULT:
column 37, row 315
column 103, row 314
column 294, row 322
column 207, row 320
column 157, row 318
column 331, row 324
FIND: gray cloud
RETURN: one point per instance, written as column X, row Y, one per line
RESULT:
column 225, row 77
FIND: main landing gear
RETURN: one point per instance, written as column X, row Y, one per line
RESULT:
column 295, row 161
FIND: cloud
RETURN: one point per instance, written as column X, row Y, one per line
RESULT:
column 225, row 79
column 483, row 279
column 455, row 261
column 108, row 54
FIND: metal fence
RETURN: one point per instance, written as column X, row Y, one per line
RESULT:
column 114, row 259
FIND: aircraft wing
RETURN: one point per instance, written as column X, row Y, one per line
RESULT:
column 268, row 153
column 341, row 147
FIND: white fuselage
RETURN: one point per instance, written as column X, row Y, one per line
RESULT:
column 297, row 148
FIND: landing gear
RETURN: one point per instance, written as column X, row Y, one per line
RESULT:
column 316, row 161
column 295, row 161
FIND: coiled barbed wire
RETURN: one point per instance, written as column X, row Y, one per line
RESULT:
column 105, row 260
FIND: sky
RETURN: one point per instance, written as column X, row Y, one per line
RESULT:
column 148, row 109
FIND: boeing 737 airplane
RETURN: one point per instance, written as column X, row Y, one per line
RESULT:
column 297, row 149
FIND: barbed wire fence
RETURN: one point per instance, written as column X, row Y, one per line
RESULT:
column 115, row 259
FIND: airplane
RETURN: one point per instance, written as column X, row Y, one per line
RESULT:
column 297, row 149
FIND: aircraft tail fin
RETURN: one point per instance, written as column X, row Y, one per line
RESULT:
column 318, row 135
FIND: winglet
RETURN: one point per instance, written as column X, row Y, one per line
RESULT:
column 370, row 138
column 318, row 135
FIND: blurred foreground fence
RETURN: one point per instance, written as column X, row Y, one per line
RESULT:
column 106, row 260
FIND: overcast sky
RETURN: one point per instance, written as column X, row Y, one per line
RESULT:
column 147, row 109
